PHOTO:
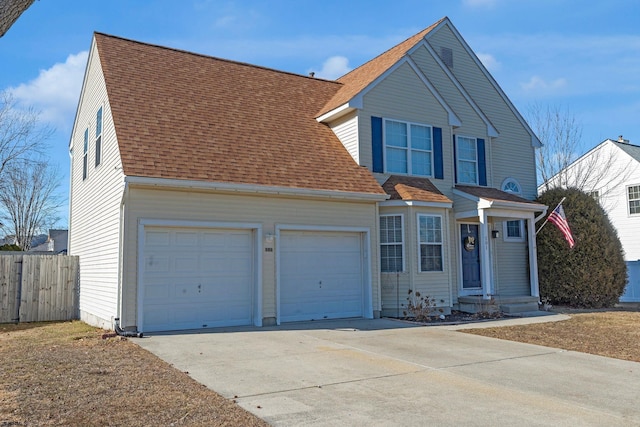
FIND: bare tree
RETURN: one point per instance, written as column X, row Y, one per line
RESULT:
column 561, row 135
column 21, row 134
column 28, row 202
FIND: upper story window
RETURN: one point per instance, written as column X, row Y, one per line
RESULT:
column 467, row 158
column 98, row 136
column 633, row 197
column 430, row 241
column 408, row 148
column 84, row 153
column 391, row 244
column 513, row 230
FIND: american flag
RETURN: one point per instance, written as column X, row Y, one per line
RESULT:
column 558, row 218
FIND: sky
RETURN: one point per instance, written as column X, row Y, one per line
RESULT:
column 583, row 57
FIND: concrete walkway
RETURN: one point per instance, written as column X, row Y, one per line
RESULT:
column 385, row 372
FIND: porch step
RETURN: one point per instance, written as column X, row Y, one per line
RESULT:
column 509, row 305
column 519, row 307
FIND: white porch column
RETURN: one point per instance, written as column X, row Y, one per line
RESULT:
column 533, row 256
column 485, row 259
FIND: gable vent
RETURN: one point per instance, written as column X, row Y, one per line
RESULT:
column 446, row 54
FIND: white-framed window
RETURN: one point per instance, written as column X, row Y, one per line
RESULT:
column 408, row 148
column 430, row 242
column 99, row 136
column 85, row 154
column 513, row 231
column 633, row 199
column 391, row 243
column 467, row 159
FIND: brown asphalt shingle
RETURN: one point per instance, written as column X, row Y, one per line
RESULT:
column 493, row 194
column 413, row 189
column 180, row 115
column 355, row 81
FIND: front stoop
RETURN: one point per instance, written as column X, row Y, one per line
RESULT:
column 508, row 305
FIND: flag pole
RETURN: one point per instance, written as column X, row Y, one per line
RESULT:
column 547, row 219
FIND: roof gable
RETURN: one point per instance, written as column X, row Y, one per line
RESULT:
column 357, row 80
column 180, row 115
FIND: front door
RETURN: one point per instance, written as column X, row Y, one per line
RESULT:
column 470, row 246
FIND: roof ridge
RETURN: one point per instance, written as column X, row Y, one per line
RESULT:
column 217, row 58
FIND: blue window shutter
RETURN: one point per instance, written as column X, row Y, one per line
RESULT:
column 455, row 161
column 482, row 163
column 376, row 144
column 438, row 167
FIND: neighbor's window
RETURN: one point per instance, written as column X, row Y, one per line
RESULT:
column 98, row 136
column 84, row 155
column 633, row 193
column 467, row 157
column 408, row 148
column 430, row 240
column 391, row 249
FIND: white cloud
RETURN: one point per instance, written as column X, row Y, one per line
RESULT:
column 539, row 85
column 333, row 68
column 489, row 61
column 55, row 92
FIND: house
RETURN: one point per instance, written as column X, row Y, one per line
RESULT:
column 208, row 192
column 54, row 242
column 610, row 172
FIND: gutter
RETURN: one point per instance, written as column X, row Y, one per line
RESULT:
column 254, row 189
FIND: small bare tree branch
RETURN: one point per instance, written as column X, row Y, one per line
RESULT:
column 27, row 199
column 21, row 134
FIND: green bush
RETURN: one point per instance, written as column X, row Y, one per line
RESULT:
column 591, row 275
column 8, row 247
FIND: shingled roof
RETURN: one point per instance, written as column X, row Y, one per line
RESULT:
column 414, row 189
column 356, row 80
column 185, row 116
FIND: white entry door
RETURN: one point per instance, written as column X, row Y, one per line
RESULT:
column 321, row 275
column 196, row 278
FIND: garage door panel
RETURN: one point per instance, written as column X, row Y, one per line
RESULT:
column 321, row 275
column 193, row 279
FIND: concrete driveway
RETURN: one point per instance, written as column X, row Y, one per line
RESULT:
column 386, row 372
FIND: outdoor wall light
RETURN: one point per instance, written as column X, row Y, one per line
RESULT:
column 268, row 237
column 495, row 233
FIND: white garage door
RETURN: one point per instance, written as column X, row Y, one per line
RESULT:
column 321, row 275
column 196, row 278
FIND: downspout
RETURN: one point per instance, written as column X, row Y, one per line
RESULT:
column 447, row 213
column 116, row 320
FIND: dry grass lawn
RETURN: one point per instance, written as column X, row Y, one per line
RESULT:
column 66, row 374
column 606, row 333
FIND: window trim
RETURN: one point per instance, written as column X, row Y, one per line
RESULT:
column 85, row 155
column 505, row 232
column 402, row 244
column 505, row 224
column 630, row 200
column 441, row 243
column 458, row 160
column 409, row 149
column 98, row 140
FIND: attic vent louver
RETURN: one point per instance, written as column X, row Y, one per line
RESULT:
column 446, row 54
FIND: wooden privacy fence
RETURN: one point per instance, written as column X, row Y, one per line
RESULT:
column 38, row 288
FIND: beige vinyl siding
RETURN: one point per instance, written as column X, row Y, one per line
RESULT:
column 432, row 284
column 512, row 154
column 269, row 211
column 510, row 266
column 346, row 129
column 402, row 96
column 95, row 202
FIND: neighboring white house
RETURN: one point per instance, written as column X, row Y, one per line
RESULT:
column 207, row 192
column 611, row 173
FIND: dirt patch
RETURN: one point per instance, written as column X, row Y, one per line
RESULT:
column 61, row 374
column 606, row 333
